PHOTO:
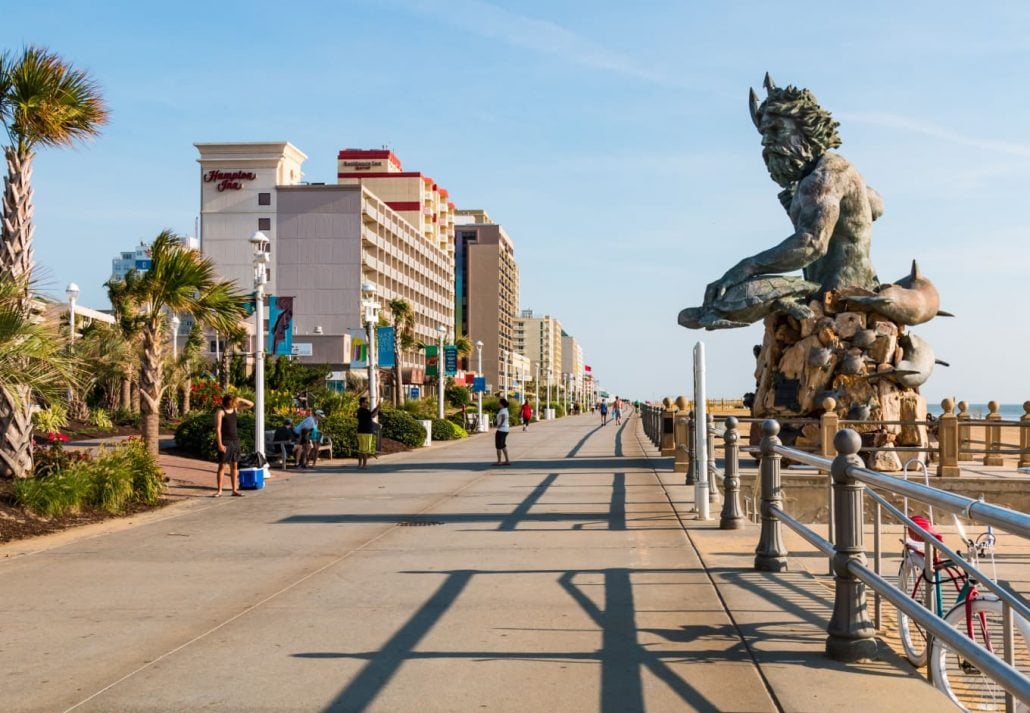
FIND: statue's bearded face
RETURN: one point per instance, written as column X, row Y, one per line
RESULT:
column 786, row 150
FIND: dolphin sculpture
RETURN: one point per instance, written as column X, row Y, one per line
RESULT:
column 916, row 365
column 911, row 300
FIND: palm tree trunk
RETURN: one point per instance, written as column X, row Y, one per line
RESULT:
column 16, row 262
column 126, row 393
column 135, row 397
column 186, row 396
column 16, row 426
column 16, row 246
column 151, row 387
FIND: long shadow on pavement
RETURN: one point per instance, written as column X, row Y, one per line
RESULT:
column 622, row 656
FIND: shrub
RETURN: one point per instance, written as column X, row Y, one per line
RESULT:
column 401, row 426
column 125, row 417
column 50, row 419
column 54, row 458
column 204, row 394
column 421, row 409
column 53, row 495
column 444, row 430
column 110, row 481
column 99, row 418
column 196, row 433
column 343, row 430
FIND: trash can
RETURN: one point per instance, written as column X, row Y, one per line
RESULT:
column 428, row 425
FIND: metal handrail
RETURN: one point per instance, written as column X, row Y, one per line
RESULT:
column 975, row 572
column 1011, row 679
column 851, row 481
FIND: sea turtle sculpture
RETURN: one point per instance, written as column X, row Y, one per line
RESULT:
column 751, row 300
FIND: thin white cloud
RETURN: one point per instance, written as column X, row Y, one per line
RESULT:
column 540, row 36
column 895, row 121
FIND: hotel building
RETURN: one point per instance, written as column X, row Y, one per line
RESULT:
column 486, row 292
column 325, row 240
column 539, row 338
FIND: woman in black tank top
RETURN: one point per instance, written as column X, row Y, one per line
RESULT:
column 227, row 440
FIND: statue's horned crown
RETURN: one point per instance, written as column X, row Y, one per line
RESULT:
column 769, row 85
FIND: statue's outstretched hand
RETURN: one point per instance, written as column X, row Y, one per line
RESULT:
column 717, row 289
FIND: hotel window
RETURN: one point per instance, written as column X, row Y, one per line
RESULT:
column 264, row 199
column 264, row 223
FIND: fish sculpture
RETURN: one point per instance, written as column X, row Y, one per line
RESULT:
column 911, row 300
column 916, row 365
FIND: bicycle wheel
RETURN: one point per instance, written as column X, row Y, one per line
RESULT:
column 964, row 683
column 913, row 637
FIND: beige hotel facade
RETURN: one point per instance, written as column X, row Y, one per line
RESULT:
column 325, row 240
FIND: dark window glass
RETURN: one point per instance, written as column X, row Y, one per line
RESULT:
column 264, row 223
column 264, row 199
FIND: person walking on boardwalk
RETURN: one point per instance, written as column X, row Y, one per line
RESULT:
column 527, row 414
column 366, row 432
column 604, row 413
column 501, row 434
column 227, row 439
column 617, row 411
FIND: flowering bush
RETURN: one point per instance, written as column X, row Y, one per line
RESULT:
column 205, row 394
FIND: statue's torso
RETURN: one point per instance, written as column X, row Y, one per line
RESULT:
column 847, row 261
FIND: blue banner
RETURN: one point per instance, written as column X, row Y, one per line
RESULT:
column 280, row 325
column 479, row 385
column 450, row 360
column 385, row 347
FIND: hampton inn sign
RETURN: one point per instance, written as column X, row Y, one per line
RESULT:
column 229, row 180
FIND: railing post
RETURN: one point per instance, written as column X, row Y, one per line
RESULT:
column 691, row 450
column 829, row 424
column 992, row 436
column 852, row 636
column 947, row 437
column 681, row 464
column 1024, row 436
column 667, row 445
column 731, row 518
column 771, row 553
column 963, row 431
column 713, row 486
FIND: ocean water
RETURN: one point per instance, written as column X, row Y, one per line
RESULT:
column 1009, row 412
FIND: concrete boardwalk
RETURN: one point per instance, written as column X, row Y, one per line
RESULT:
column 434, row 581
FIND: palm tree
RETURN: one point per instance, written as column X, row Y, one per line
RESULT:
column 43, row 102
column 403, row 341
column 110, row 356
column 179, row 281
column 128, row 327
column 234, row 339
column 35, row 364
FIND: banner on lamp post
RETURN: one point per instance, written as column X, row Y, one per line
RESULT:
column 479, row 385
column 385, row 348
column 432, row 360
column 358, row 349
column 450, row 360
column 280, row 325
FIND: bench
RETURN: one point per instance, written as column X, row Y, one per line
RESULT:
column 282, row 451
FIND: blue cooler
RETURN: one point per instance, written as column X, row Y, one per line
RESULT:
column 252, row 478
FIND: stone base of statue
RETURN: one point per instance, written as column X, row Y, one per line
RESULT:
column 861, row 359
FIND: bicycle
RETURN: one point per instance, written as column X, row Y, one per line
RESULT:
column 978, row 614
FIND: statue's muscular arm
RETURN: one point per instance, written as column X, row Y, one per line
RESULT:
column 818, row 205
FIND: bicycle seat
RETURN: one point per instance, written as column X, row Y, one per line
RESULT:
column 915, row 539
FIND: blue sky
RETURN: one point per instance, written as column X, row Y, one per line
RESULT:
column 612, row 142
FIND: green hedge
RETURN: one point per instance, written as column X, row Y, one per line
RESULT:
column 343, row 430
column 402, row 426
column 444, row 430
column 196, row 433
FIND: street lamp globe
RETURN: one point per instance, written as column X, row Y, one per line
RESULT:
column 72, row 291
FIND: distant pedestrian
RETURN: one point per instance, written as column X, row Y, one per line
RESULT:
column 304, row 432
column 604, row 413
column 527, row 415
column 227, row 439
column 366, row 432
column 617, row 411
column 501, row 434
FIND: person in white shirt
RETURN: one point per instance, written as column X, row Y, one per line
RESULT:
column 305, row 431
column 501, row 434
